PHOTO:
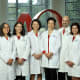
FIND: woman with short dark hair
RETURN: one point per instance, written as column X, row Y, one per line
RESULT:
column 50, row 45
column 72, row 53
column 35, row 56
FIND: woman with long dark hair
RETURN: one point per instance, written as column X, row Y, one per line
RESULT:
column 7, row 53
column 22, row 51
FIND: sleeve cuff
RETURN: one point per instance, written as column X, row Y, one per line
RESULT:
column 23, row 59
column 17, row 58
column 43, row 51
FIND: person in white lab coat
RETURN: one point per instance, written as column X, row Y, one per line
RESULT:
column 64, row 31
column 22, row 51
column 50, row 45
column 7, row 53
column 35, row 56
column 72, row 56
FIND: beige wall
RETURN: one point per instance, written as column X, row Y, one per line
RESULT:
column 3, row 11
column 59, row 6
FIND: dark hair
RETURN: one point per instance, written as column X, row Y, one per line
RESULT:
column 51, row 18
column 1, row 30
column 23, row 30
column 75, row 24
column 38, row 21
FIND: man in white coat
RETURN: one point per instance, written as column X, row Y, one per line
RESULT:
column 50, row 44
column 64, row 31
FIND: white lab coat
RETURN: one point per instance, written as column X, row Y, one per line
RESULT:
column 73, row 55
column 63, row 45
column 22, row 51
column 7, row 51
column 35, row 64
column 54, row 45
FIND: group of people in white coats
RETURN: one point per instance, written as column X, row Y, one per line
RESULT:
column 69, row 52
column 14, row 52
column 56, row 52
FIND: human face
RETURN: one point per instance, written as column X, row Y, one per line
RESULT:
column 6, row 29
column 65, row 21
column 51, row 24
column 74, row 30
column 18, row 28
column 35, row 25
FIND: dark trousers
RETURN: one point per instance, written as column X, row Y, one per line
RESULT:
column 69, row 78
column 20, row 78
column 63, row 76
column 50, row 74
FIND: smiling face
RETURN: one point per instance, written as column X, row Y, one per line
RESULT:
column 74, row 30
column 51, row 24
column 35, row 25
column 65, row 21
column 18, row 28
column 6, row 29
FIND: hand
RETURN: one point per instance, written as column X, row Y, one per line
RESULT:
column 49, row 55
column 10, row 61
column 20, row 61
column 40, row 54
column 69, row 63
column 37, row 56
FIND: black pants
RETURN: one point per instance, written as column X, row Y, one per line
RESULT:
column 62, row 76
column 20, row 78
column 69, row 78
column 50, row 74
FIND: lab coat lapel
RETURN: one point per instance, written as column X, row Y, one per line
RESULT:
column 36, row 37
